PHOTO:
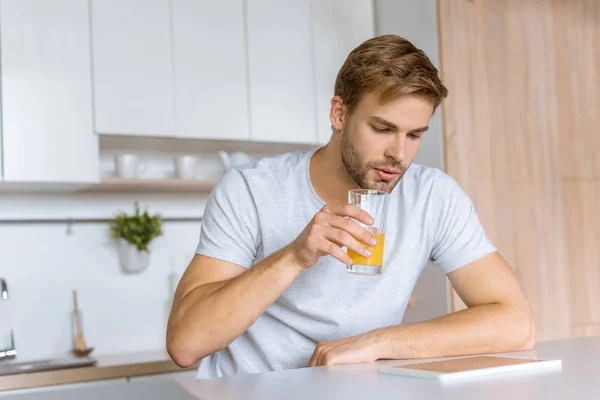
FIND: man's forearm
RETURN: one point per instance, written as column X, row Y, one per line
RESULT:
column 212, row 315
column 490, row 328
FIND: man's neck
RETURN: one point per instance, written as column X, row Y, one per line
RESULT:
column 328, row 175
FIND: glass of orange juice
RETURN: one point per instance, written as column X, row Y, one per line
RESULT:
column 375, row 202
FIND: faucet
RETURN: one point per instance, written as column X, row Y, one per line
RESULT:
column 3, row 289
column 11, row 352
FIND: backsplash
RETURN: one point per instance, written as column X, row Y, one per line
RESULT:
column 42, row 265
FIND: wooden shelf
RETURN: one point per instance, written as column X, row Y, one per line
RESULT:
column 170, row 185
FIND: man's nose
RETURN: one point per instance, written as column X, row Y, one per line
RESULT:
column 397, row 148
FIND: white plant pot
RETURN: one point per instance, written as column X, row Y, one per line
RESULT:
column 132, row 259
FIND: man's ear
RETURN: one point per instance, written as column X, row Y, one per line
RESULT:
column 337, row 113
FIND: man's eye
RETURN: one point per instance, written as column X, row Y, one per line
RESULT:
column 414, row 137
column 380, row 130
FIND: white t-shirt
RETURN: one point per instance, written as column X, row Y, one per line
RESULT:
column 260, row 207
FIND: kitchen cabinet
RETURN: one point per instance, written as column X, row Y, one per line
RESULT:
column 132, row 67
column 184, row 375
column 338, row 27
column 281, row 71
column 47, row 133
column 48, row 390
column 236, row 69
column 209, row 58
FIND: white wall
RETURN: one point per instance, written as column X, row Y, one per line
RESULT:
column 42, row 265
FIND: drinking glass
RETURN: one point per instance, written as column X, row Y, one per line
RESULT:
column 374, row 202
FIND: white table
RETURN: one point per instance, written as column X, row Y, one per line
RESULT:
column 579, row 379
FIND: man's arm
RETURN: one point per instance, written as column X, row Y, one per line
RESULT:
column 216, row 301
column 499, row 319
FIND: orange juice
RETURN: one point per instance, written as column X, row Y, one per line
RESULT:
column 376, row 259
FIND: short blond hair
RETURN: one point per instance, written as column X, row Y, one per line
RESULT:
column 390, row 66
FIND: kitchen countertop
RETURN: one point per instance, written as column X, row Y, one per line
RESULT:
column 579, row 379
column 107, row 367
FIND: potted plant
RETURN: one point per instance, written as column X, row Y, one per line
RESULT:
column 135, row 232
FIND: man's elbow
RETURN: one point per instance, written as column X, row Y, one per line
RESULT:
column 182, row 360
column 185, row 351
column 524, row 334
column 179, row 354
column 179, row 349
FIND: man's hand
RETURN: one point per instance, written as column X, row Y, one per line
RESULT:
column 355, row 349
column 329, row 231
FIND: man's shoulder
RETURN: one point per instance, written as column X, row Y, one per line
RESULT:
column 423, row 176
column 435, row 185
column 430, row 181
column 265, row 172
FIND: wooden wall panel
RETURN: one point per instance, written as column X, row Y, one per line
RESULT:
column 520, row 124
column 577, row 55
column 582, row 239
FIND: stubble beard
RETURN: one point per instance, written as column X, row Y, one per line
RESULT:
column 357, row 168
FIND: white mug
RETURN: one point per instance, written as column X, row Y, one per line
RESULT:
column 128, row 166
column 186, row 167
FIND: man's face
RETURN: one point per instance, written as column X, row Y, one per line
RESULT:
column 379, row 141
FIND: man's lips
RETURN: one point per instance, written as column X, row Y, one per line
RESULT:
column 386, row 174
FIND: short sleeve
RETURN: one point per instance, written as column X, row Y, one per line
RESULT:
column 230, row 229
column 458, row 236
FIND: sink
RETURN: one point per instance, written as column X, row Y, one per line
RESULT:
column 9, row 368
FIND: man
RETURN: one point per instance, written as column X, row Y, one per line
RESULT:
column 268, row 287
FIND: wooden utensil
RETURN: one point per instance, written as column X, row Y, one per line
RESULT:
column 81, row 348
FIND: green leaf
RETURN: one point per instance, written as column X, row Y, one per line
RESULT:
column 138, row 229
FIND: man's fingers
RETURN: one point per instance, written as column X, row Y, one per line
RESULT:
column 313, row 359
column 354, row 229
column 317, row 356
column 349, row 210
column 325, row 352
column 335, row 251
column 343, row 238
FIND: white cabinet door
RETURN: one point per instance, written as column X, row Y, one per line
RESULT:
column 46, row 92
column 50, row 390
column 209, row 59
column 338, row 27
column 133, row 74
column 282, row 95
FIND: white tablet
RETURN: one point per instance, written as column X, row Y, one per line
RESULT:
column 469, row 367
